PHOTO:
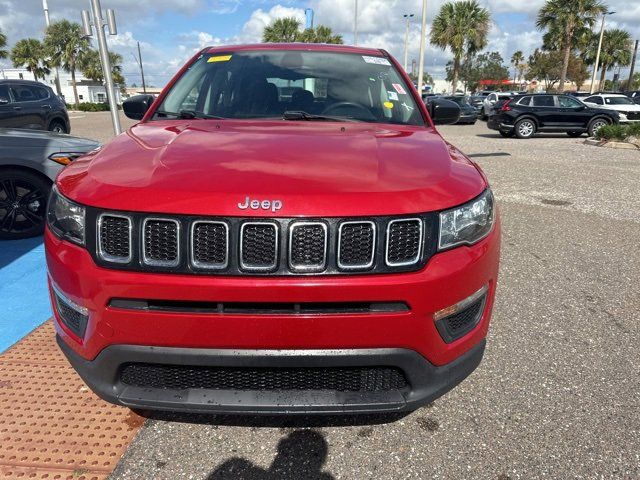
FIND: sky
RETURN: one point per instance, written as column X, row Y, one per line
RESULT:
column 171, row 31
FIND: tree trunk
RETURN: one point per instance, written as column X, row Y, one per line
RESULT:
column 73, row 84
column 602, row 77
column 456, row 73
column 567, row 55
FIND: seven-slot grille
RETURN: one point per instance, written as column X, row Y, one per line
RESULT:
column 275, row 246
column 160, row 246
column 114, row 238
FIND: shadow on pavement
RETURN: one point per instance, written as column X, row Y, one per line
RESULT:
column 11, row 250
column 537, row 136
column 274, row 421
column 301, row 455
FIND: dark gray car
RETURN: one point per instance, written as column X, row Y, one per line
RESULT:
column 29, row 162
column 28, row 104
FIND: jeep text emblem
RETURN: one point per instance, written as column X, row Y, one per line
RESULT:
column 273, row 205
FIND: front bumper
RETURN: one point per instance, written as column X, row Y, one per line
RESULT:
column 409, row 339
column 427, row 382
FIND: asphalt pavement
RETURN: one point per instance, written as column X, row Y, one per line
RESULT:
column 557, row 394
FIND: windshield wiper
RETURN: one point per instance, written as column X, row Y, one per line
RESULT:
column 188, row 115
column 302, row 115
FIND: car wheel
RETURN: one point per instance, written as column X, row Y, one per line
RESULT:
column 23, row 204
column 57, row 127
column 596, row 125
column 507, row 134
column 574, row 134
column 525, row 128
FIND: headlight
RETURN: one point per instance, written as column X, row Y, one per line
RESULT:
column 467, row 224
column 65, row 218
column 64, row 158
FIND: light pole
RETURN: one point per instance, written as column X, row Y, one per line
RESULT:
column 423, row 39
column 99, row 23
column 355, row 24
column 633, row 65
column 139, row 60
column 597, row 64
column 408, row 16
column 47, row 21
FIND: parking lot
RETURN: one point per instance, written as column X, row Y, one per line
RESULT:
column 557, row 393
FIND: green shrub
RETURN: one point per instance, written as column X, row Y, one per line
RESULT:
column 612, row 132
column 633, row 130
column 91, row 107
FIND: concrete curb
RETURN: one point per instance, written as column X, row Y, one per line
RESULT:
column 609, row 144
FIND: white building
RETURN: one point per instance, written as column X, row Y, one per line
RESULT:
column 88, row 90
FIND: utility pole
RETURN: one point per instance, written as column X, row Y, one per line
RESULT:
column 99, row 25
column 47, row 21
column 144, row 85
column 597, row 64
column 423, row 40
column 355, row 24
column 406, row 41
column 633, row 66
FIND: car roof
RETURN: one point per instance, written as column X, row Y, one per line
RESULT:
column 610, row 94
column 28, row 82
column 313, row 47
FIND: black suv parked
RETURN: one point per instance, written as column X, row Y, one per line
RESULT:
column 525, row 115
column 27, row 104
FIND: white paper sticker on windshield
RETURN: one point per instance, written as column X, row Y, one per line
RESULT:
column 376, row 60
column 399, row 88
column 392, row 96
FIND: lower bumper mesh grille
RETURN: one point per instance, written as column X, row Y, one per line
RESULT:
column 177, row 377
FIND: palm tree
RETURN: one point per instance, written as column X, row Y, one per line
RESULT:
column 462, row 27
column 282, row 30
column 516, row 60
column 324, row 34
column 3, row 43
column 616, row 50
column 565, row 19
column 28, row 53
column 64, row 43
column 90, row 65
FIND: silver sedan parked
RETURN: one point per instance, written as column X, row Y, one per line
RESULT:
column 29, row 162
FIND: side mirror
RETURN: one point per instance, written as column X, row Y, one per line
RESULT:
column 136, row 106
column 4, row 101
column 444, row 112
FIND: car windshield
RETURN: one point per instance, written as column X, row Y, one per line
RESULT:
column 617, row 101
column 292, row 85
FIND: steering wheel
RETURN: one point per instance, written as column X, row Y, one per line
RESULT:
column 355, row 105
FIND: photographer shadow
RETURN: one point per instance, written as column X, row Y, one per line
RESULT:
column 301, row 454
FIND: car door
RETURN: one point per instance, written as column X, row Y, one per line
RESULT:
column 544, row 107
column 6, row 107
column 27, row 108
column 573, row 112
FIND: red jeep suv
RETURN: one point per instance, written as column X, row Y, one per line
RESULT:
column 284, row 231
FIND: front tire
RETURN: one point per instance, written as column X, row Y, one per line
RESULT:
column 525, row 128
column 57, row 127
column 596, row 124
column 23, row 204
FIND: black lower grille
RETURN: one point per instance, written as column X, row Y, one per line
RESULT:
column 348, row 379
column 73, row 319
column 161, row 242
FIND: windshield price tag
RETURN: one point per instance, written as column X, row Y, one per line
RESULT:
column 219, row 58
column 376, row 60
column 399, row 88
column 393, row 96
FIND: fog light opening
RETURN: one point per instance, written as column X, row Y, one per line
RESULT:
column 456, row 321
column 72, row 315
column 460, row 306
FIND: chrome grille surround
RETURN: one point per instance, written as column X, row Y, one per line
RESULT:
column 99, row 231
column 193, row 251
column 154, row 262
column 259, row 267
column 297, row 267
column 387, row 249
column 363, row 266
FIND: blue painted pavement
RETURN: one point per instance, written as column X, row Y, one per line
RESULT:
column 24, row 298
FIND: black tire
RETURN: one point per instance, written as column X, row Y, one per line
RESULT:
column 525, row 128
column 596, row 124
column 23, row 203
column 574, row 134
column 58, row 126
column 510, row 134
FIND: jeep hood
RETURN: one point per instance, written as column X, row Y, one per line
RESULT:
column 204, row 167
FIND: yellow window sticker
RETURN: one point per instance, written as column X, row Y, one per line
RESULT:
column 388, row 104
column 219, row 58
